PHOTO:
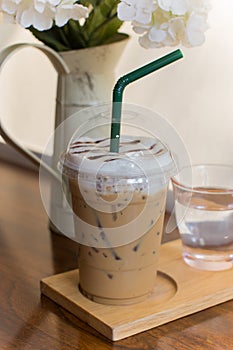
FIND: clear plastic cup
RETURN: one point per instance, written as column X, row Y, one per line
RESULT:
column 118, row 201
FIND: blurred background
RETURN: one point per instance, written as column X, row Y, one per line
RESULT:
column 195, row 94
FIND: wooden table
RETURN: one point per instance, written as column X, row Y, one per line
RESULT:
column 28, row 252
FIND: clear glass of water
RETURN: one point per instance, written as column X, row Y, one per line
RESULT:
column 204, row 213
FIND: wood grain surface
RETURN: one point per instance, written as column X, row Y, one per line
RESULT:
column 173, row 296
column 29, row 252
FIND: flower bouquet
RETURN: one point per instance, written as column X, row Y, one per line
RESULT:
column 70, row 25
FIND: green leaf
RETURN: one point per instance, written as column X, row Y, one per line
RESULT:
column 87, row 3
column 99, row 28
column 50, row 37
column 116, row 37
column 105, row 32
column 75, row 35
column 94, row 20
column 108, row 8
column 102, row 23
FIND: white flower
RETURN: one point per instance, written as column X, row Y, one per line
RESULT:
column 40, row 5
column 67, row 10
column 29, row 16
column 157, row 35
column 41, row 14
column 170, row 22
column 135, row 10
column 196, row 26
column 200, row 6
column 177, row 7
column 176, row 30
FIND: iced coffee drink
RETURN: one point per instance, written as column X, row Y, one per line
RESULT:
column 118, row 200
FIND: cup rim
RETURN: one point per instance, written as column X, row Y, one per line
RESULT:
column 192, row 189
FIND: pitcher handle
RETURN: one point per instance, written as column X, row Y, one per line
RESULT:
column 60, row 67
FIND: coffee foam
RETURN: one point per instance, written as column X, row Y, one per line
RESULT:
column 140, row 162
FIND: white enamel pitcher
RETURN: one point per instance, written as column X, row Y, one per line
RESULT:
column 85, row 78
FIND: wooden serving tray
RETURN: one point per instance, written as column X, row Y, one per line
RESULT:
column 180, row 291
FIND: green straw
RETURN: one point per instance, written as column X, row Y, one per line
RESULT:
column 123, row 82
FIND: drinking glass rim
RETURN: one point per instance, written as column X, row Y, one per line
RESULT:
column 202, row 190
